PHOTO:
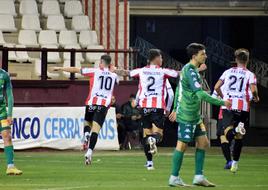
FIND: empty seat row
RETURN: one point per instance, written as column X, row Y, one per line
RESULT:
column 48, row 39
column 49, row 7
column 54, row 22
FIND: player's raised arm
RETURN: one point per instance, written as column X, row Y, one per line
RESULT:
column 67, row 69
column 196, row 87
column 122, row 72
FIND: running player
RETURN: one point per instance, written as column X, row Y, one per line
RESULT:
column 151, row 100
column 236, row 83
column 102, row 82
column 187, row 113
column 6, row 121
column 226, row 146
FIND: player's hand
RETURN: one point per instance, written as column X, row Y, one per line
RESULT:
column 134, row 117
column 202, row 67
column 112, row 68
column 256, row 99
column 228, row 104
column 172, row 116
column 167, row 113
column 9, row 120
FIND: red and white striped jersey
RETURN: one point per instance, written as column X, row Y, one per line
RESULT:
column 152, row 85
column 101, row 85
column 236, row 87
column 169, row 96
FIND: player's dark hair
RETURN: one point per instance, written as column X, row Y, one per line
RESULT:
column 153, row 53
column 107, row 59
column 132, row 96
column 242, row 55
column 194, row 48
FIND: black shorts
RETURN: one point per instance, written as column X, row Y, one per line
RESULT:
column 152, row 116
column 232, row 118
column 96, row 113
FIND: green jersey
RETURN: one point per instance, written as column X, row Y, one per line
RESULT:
column 189, row 95
column 5, row 89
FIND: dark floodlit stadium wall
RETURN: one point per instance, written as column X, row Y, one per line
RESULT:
column 172, row 25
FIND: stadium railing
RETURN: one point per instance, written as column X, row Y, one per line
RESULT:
column 129, row 54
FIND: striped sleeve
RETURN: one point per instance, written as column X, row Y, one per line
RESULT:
column 87, row 71
column 135, row 73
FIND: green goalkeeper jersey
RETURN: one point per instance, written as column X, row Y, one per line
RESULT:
column 5, row 90
column 189, row 95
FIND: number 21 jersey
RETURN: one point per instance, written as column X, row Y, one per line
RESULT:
column 101, row 87
column 152, row 85
column 237, row 81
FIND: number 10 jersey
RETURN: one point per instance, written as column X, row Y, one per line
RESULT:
column 101, row 87
column 152, row 85
column 237, row 81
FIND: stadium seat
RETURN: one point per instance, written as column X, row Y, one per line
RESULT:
column 28, row 38
column 37, row 70
column 55, row 22
column 72, row 8
column 50, row 8
column 7, row 23
column 94, row 56
column 87, row 38
column 22, row 56
column 52, row 57
column 11, row 54
column 80, row 23
column 28, row 7
column 78, row 56
column 2, row 40
column 67, row 63
column 48, row 37
column 30, row 22
column 7, row 7
column 67, row 37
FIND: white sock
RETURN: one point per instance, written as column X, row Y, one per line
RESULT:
column 150, row 163
column 199, row 177
column 10, row 165
column 172, row 177
column 234, row 162
column 89, row 152
column 87, row 134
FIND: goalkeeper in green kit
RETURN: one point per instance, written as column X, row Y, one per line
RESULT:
column 186, row 112
column 6, row 121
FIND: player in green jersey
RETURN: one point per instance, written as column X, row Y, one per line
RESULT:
column 188, row 97
column 6, row 121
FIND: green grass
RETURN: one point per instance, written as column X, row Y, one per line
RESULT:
column 125, row 170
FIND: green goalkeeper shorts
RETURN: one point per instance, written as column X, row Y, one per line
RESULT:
column 188, row 132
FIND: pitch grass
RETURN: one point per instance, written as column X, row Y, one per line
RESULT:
column 118, row 170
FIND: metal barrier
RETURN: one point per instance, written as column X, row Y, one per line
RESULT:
column 130, row 53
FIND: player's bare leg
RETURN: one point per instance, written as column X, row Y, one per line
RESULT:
column 92, row 142
column 175, row 180
column 9, row 152
column 199, row 179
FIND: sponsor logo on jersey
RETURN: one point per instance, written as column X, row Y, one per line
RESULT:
column 187, row 136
